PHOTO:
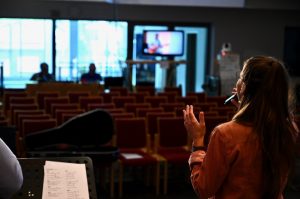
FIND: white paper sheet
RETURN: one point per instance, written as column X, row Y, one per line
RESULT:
column 131, row 155
column 65, row 181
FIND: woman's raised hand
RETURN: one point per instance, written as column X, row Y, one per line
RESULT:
column 196, row 129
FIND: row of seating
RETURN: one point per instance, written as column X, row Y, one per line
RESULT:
column 148, row 136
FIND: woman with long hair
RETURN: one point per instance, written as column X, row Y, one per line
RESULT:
column 252, row 155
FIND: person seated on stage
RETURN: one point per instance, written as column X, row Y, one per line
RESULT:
column 91, row 76
column 43, row 75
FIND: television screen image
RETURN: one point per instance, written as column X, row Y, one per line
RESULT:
column 163, row 43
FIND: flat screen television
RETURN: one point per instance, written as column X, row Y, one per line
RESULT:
column 163, row 42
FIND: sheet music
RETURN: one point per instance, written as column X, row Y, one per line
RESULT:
column 65, row 181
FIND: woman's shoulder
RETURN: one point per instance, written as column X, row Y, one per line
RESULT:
column 233, row 130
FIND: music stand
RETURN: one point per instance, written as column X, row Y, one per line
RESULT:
column 33, row 173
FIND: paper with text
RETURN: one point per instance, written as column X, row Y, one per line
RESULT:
column 65, row 181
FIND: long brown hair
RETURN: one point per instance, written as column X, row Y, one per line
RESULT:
column 265, row 105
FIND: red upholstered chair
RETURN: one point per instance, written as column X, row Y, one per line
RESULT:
column 122, row 90
column 59, row 114
column 54, row 100
column 6, row 98
column 69, row 106
column 22, row 117
column 116, row 110
column 151, row 119
column 171, row 142
column 156, row 100
column 14, row 107
column 120, row 101
column 18, row 100
column 104, row 106
column 187, row 100
column 17, row 114
column 22, row 100
column 173, row 89
column 34, row 125
column 122, row 115
column 142, row 112
column 133, row 141
column 171, row 95
column 84, row 101
column 172, row 107
column 217, row 99
column 131, row 107
column 206, row 106
column 139, row 96
column 66, row 116
column 40, row 97
column 201, row 96
column 107, row 97
column 149, row 89
column 75, row 95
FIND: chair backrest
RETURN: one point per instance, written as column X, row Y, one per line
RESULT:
column 14, row 107
column 173, row 89
column 206, row 106
column 156, row 100
column 149, row 89
column 40, row 97
column 171, row 132
column 122, row 90
column 187, row 100
column 122, row 115
column 218, row 99
column 7, row 95
column 69, row 106
column 54, row 100
column 104, row 106
column 84, row 101
column 22, row 100
column 116, row 110
column 107, row 97
column 142, row 112
column 131, row 133
column 171, row 95
column 22, row 117
column 151, row 119
column 172, row 107
column 120, row 101
column 30, row 126
column 19, row 101
column 139, row 96
column 201, row 96
column 16, row 113
column 74, row 95
column 33, row 173
column 60, row 112
column 131, row 107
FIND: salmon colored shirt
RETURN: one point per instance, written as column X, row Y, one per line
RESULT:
column 231, row 168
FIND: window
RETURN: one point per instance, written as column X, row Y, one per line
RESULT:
column 21, row 51
column 81, row 42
